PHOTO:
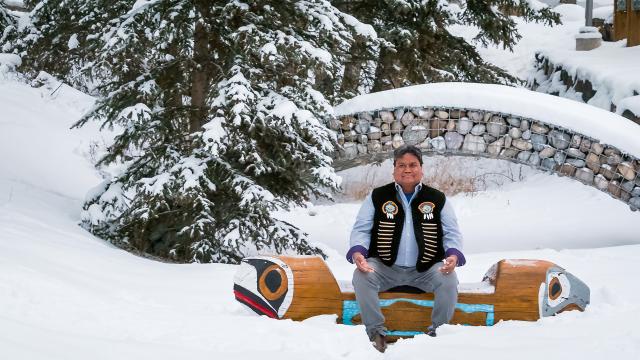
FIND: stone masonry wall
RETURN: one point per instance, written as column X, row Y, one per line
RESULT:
column 366, row 136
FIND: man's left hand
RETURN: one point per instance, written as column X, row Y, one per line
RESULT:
column 449, row 264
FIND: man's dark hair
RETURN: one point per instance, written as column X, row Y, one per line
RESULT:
column 407, row 149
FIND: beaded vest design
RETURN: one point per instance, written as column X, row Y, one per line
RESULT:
column 388, row 222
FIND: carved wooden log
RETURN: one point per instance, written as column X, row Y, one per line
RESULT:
column 303, row 286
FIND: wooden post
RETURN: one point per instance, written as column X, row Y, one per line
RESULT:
column 633, row 22
column 626, row 21
column 620, row 19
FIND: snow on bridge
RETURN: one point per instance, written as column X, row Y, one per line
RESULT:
column 573, row 139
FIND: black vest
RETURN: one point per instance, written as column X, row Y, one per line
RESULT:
column 388, row 221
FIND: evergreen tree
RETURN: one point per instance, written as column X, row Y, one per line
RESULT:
column 417, row 47
column 219, row 117
column 6, row 20
column 59, row 37
column 219, row 104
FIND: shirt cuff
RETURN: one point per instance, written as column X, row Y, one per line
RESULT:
column 358, row 248
column 456, row 252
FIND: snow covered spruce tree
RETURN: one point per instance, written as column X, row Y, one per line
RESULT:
column 219, row 121
column 58, row 36
column 418, row 48
column 6, row 20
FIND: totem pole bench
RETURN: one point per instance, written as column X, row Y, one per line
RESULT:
column 300, row 287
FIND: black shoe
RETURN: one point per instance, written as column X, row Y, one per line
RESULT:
column 431, row 332
column 380, row 343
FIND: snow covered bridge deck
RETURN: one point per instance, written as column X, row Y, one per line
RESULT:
column 591, row 145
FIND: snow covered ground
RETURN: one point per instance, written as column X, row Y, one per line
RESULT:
column 65, row 294
column 613, row 69
column 536, row 37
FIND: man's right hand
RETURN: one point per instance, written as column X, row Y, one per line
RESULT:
column 361, row 262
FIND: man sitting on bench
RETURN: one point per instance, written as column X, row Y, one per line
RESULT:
column 406, row 233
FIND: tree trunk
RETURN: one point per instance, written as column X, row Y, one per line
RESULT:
column 353, row 69
column 200, row 75
column 387, row 71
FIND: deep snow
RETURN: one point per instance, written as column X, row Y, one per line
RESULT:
column 65, row 294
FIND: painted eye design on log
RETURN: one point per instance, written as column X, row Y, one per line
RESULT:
column 273, row 283
column 562, row 291
column 558, row 288
column 265, row 285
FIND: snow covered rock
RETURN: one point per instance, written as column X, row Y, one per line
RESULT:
column 524, row 156
column 478, row 129
column 515, row 133
column 559, row 139
column 475, row 116
column 534, row 159
column 575, row 153
column 415, row 134
column 453, row 140
column 549, row 164
column 362, row 126
column 547, row 152
column 397, row 141
column 539, row 128
column 374, row 133
column 496, row 126
column 585, row 175
column 522, row 144
column 627, row 170
column 350, row 150
column 593, row 162
column 441, row 114
column 387, row 116
column 601, row 182
column 575, row 162
column 465, row 125
column 408, row 118
column 438, row 144
column 495, row 147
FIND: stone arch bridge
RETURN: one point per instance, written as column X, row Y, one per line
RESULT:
column 572, row 139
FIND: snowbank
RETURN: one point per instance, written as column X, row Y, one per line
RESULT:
column 605, row 13
column 612, row 70
column 8, row 65
column 36, row 145
column 609, row 128
column 535, row 36
column 631, row 103
column 570, row 12
column 10, row 60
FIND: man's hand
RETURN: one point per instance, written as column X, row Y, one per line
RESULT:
column 449, row 264
column 361, row 262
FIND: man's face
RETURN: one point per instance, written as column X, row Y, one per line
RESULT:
column 407, row 171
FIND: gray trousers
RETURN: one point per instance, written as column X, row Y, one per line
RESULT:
column 367, row 286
